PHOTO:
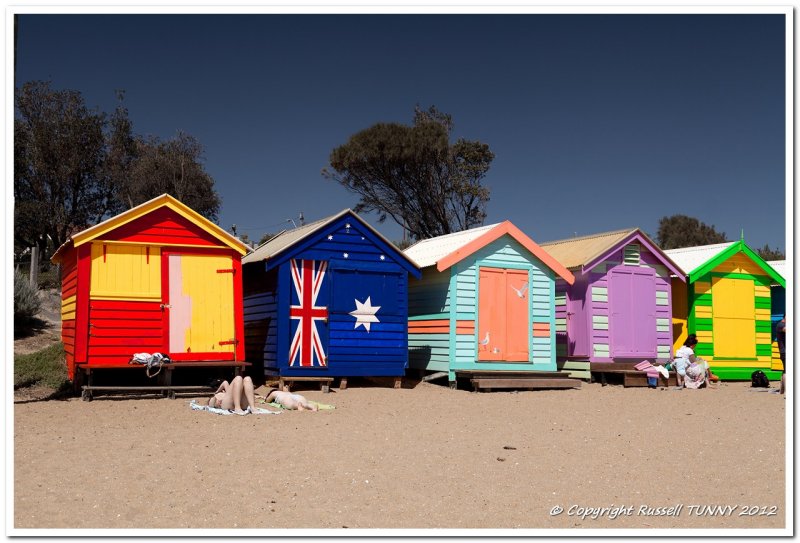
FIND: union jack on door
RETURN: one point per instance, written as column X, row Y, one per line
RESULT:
column 307, row 348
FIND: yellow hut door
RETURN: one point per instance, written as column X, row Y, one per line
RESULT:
column 734, row 325
column 201, row 312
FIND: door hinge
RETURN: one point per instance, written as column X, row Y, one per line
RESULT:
column 229, row 342
column 231, row 270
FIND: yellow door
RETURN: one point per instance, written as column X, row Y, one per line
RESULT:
column 201, row 309
column 733, row 306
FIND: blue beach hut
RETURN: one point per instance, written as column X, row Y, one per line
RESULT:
column 328, row 299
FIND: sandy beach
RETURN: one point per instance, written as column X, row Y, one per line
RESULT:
column 423, row 456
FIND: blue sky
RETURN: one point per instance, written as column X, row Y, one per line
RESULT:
column 598, row 122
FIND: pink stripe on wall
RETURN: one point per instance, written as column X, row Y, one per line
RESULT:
column 180, row 314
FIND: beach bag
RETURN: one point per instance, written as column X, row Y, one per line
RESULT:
column 758, row 379
column 150, row 361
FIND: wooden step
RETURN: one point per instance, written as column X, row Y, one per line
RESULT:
column 489, row 384
column 502, row 374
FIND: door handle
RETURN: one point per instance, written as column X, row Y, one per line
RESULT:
column 165, row 306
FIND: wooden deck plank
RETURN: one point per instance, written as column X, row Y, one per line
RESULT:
column 491, row 383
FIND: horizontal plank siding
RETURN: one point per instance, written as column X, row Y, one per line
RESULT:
column 163, row 226
column 118, row 330
column 69, row 277
column 429, row 294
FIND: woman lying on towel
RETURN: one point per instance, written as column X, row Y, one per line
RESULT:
column 237, row 395
column 290, row 401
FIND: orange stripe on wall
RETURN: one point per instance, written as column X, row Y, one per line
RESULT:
column 437, row 326
column 440, row 326
column 465, row 327
column 541, row 329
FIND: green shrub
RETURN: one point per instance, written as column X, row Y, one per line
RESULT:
column 26, row 299
column 46, row 367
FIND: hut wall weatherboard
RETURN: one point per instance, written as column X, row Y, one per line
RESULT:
column 778, row 309
column 619, row 308
column 156, row 278
column 485, row 301
column 729, row 308
column 328, row 299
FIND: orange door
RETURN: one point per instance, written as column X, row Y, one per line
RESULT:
column 503, row 316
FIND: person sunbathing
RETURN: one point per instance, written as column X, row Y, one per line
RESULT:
column 235, row 396
column 291, row 401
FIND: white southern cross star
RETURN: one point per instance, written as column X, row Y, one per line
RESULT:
column 365, row 313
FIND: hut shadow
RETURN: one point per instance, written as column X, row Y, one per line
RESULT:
column 65, row 392
column 30, row 327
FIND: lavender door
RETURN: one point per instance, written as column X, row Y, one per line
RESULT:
column 632, row 322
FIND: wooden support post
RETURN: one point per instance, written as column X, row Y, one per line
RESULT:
column 343, row 383
column 398, row 382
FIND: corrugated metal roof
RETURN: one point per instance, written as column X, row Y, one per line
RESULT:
column 576, row 252
column 429, row 251
column 287, row 238
column 690, row 258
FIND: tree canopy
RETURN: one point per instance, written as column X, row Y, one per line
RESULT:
column 74, row 166
column 679, row 231
column 768, row 253
column 414, row 175
column 175, row 167
column 60, row 181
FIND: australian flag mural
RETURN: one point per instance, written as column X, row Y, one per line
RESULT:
column 328, row 299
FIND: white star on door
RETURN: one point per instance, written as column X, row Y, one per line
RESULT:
column 365, row 313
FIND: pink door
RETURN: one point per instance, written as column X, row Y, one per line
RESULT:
column 503, row 315
column 632, row 326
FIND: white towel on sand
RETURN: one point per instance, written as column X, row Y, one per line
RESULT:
column 257, row 411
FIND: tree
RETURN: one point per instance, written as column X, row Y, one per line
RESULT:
column 122, row 150
column 265, row 238
column 73, row 167
column 682, row 231
column 175, row 167
column 768, row 253
column 60, row 184
column 414, row 175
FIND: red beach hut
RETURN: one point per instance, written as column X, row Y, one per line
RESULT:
column 157, row 278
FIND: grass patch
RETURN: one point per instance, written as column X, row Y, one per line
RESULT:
column 46, row 367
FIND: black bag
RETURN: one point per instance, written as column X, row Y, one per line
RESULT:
column 759, row 379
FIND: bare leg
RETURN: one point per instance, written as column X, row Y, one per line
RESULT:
column 237, row 388
column 249, row 394
column 305, row 405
